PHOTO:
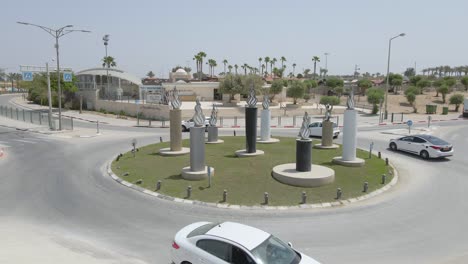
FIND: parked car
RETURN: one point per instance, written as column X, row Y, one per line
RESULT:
column 425, row 146
column 187, row 124
column 228, row 242
column 315, row 129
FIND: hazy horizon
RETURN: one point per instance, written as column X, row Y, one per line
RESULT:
column 158, row 35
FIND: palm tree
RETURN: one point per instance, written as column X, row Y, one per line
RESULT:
column 260, row 63
column 236, row 67
column 272, row 63
column 245, row 67
column 263, row 67
column 315, row 59
column 225, row 62
column 283, row 59
column 12, row 77
column 267, row 59
column 230, row 68
column 199, row 58
column 294, row 68
column 109, row 62
column 212, row 63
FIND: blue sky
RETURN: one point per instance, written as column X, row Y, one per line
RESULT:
column 158, row 35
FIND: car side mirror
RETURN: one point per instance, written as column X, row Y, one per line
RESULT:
column 290, row 244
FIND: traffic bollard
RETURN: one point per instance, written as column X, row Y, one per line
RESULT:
column 97, row 127
column 235, row 121
column 30, row 116
column 304, row 198
column 386, row 161
column 160, row 139
column 225, row 196
column 338, row 193
column 370, row 149
column 189, row 191
column 294, row 121
column 24, row 116
column 234, row 133
column 366, row 187
column 72, row 126
column 380, row 155
column 17, row 115
column 384, row 178
column 265, row 198
column 158, row 185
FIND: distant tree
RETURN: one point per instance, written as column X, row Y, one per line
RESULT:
column 334, row 82
column 315, row 59
column 295, row 91
column 232, row 85
column 364, row 84
column 443, row 89
column 267, row 60
column 150, row 74
column 276, row 88
column 412, row 89
column 176, row 68
column 248, row 80
column 464, row 81
column 423, row 83
column 300, row 76
column 294, row 68
column 339, row 90
column 187, row 69
column 409, row 72
column 374, row 97
column 330, row 100
column 225, row 62
column 310, row 84
column 395, row 80
column 108, row 62
column 411, row 97
column 457, row 100
column 450, row 81
column 415, row 79
column 437, row 83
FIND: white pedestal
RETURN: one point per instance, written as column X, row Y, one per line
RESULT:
column 265, row 130
column 349, row 135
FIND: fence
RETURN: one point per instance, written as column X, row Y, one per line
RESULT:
column 35, row 117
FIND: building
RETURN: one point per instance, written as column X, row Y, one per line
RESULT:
column 179, row 75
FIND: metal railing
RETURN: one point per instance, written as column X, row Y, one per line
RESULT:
column 35, row 117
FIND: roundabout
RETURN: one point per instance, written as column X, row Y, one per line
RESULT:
column 247, row 179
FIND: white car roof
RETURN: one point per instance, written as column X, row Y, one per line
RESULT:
column 247, row 236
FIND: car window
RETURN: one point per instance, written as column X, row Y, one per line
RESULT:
column 202, row 230
column 437, row 141
column 217, row 248
column 313, row 125
column 418, row 140
column 239, row 256
column 275, row 251
column 409, row 139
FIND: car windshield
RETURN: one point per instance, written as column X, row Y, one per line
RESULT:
column 275, row 251
column 436, row 140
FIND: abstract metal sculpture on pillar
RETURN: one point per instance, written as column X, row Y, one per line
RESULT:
column 327, row 131
column 250, row 127
column 303, row 173
column 175, row 115
column 212, row 128
column 197, row 169
column 349, row 136
column 265, row 130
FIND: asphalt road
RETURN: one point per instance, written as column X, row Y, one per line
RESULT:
column 58, row 186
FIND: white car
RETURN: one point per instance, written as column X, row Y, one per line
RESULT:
column 425, row 146
column 234, row 243
column 315, row 129
column 187, row 124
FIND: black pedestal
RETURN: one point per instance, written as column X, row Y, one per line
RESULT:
column 303, row 155
column 251, row 129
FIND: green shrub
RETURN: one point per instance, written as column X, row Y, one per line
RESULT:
column 457, row 100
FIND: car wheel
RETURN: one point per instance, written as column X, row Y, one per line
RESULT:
column 424, row 154
column 184, row 129
column 393, row 146
column 186, row 262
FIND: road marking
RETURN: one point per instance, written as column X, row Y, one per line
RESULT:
column 4, row 146
column 25, row 141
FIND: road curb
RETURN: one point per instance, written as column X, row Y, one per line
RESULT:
column 337, row 203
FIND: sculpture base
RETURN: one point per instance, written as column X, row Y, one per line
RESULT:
column 187, row 174
column 318, row 176
column 357, row 162
column 244, row 154
column 269, row 141
column 219, row 141
column 319, row 146
column 169, row 152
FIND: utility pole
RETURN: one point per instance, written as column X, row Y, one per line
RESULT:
column 106, row 42
column 49, row 94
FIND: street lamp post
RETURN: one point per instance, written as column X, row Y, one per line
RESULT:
column 388, row 72
column 356, row 69
column 57, row 33
column 106, row 42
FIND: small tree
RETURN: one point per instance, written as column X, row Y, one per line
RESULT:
column 450, row 81
column 296, row 91
column 364, row 84
column 444, row 91
column 437, row 84
column 334, row 82
column 413, row 90
column 457, row 100
column 330, row 100
column 374, row 97
column 232, row 85
column 423, row 83
column 411, row 97
column 150, row 74
column 464, row 81
column 276, row 88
